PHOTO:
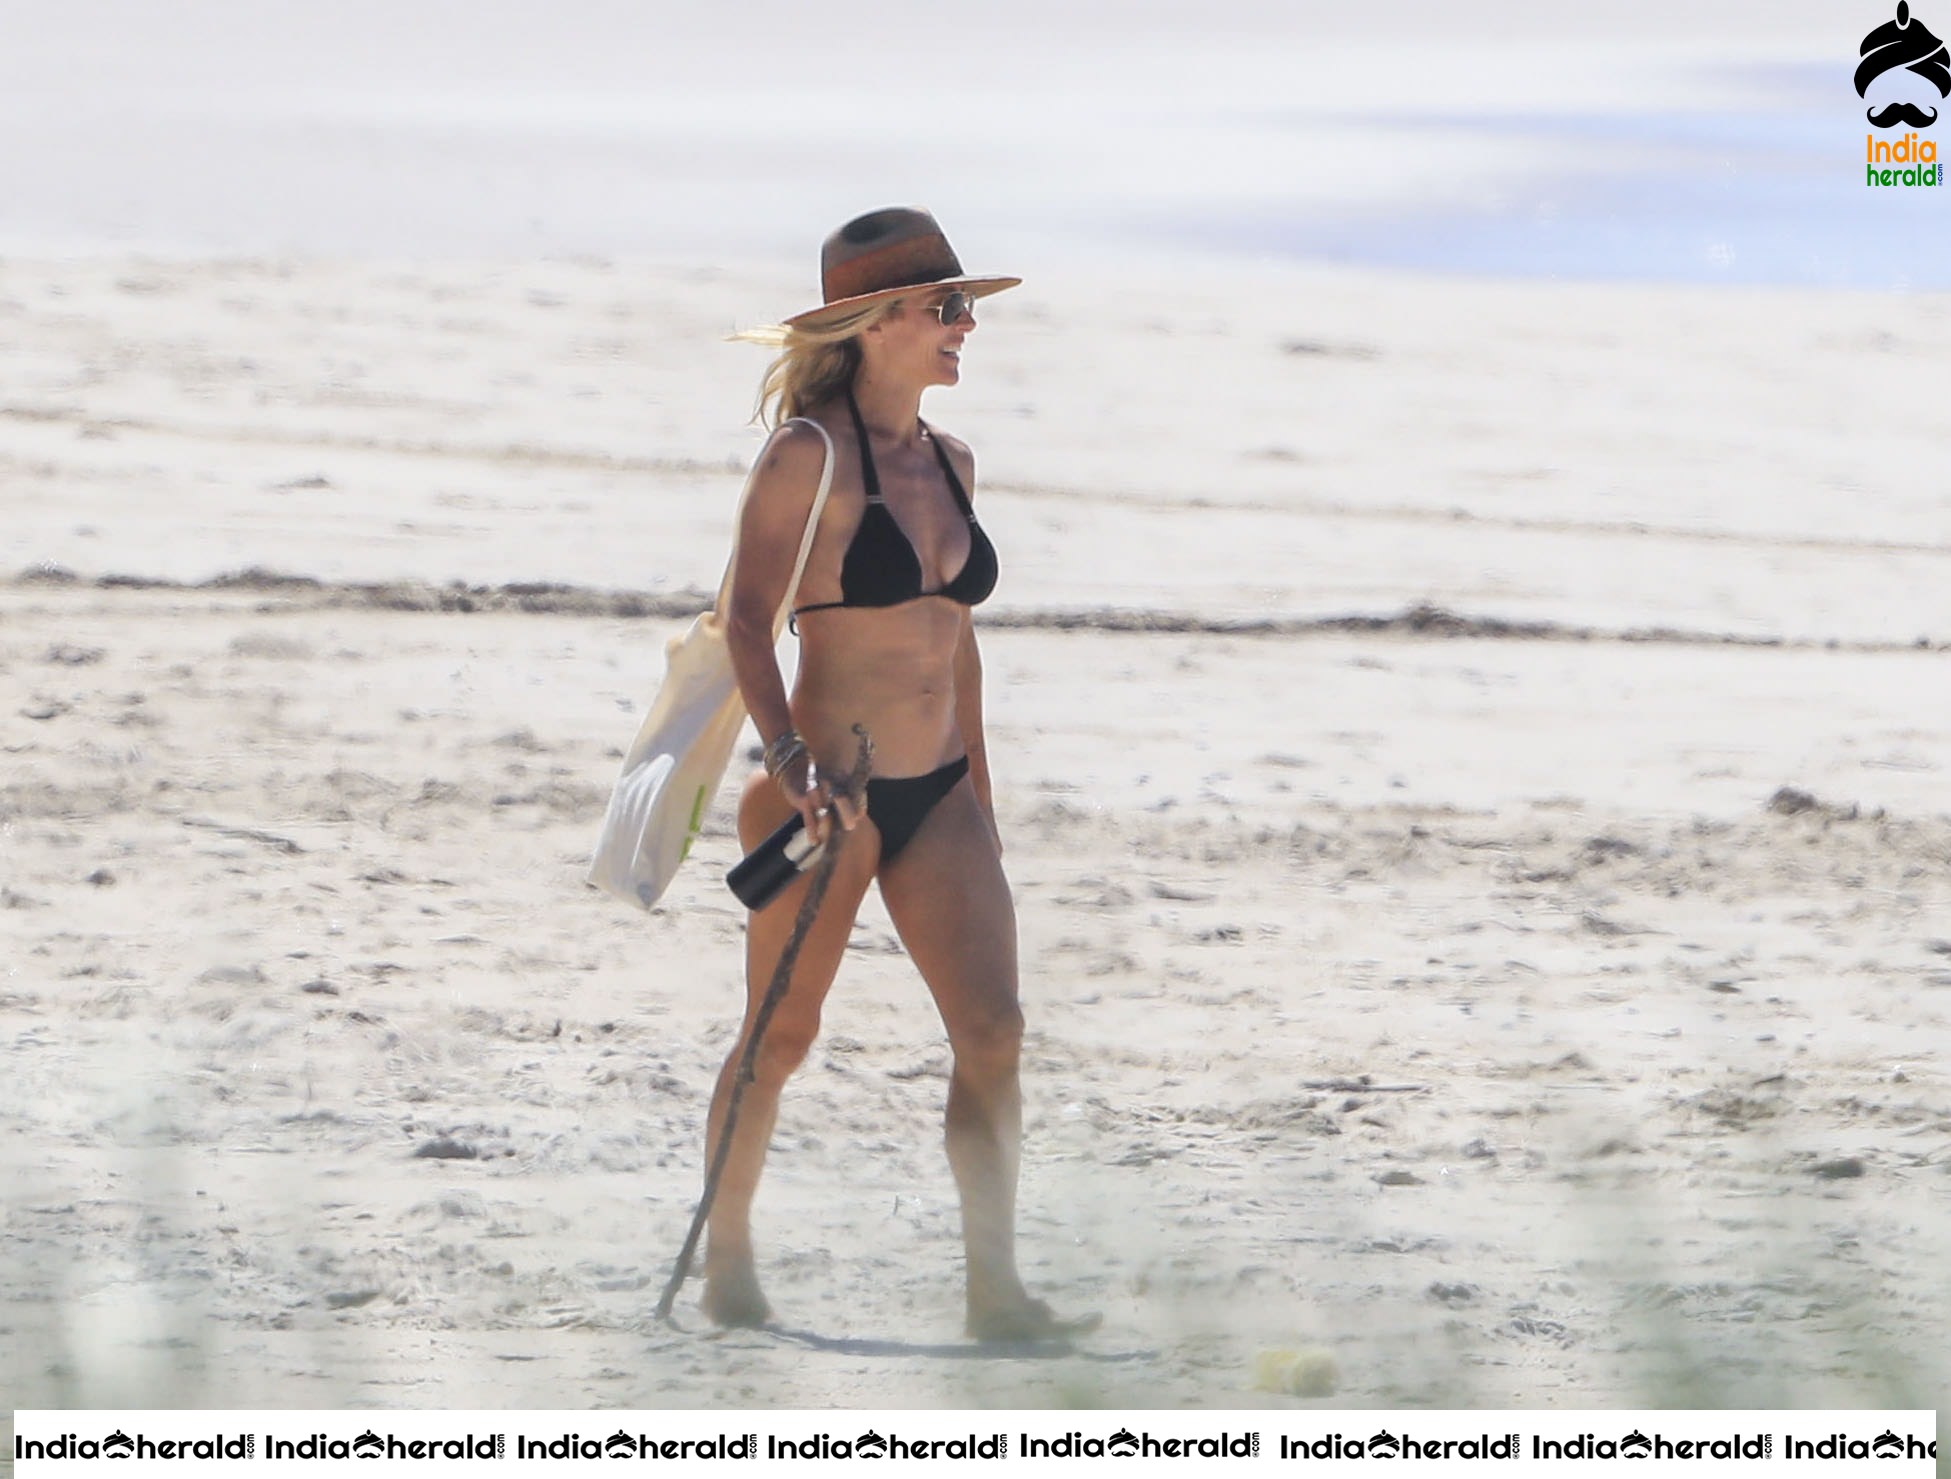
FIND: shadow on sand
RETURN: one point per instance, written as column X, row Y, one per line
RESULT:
column 967, row 1350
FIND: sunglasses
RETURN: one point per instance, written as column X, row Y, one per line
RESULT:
column 953, row 307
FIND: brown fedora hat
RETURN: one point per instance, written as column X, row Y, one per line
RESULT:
column 886, row 253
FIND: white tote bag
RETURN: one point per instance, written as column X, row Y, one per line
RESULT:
column 681, row 750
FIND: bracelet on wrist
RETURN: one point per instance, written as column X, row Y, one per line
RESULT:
column 783, row 751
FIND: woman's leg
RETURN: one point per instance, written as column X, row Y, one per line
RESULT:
column 950, row 902
column 732, row 1294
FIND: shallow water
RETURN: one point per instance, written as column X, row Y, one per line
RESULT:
column 1767, row 194
column 1284, row 135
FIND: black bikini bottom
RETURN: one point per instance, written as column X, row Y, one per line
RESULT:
column 899, row 806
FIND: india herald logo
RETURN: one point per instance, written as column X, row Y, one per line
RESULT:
column 1905, row 45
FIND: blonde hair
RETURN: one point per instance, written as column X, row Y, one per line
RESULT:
column 816, row 360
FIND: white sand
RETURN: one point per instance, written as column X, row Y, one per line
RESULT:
column 1453, row 1000
column 1393, row 689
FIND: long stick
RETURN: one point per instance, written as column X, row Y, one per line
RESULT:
column 782, row 975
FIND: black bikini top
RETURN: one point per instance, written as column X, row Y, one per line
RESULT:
column 881, row 567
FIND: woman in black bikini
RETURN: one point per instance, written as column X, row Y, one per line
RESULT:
column 886, row 642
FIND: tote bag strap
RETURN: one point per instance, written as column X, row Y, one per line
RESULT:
column 805, row 540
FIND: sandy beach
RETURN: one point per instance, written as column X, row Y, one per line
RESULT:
column 1470, row 754
column 1466, row 695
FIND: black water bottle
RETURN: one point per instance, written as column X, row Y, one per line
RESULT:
column 759, row 876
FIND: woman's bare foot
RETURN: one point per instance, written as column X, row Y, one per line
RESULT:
column 733, row 1297
column 1027, row 1319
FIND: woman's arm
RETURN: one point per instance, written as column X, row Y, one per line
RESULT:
column 771, row 520
column 771, row 523
column 968, row 718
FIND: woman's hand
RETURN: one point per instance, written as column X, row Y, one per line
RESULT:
column 816, row 799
